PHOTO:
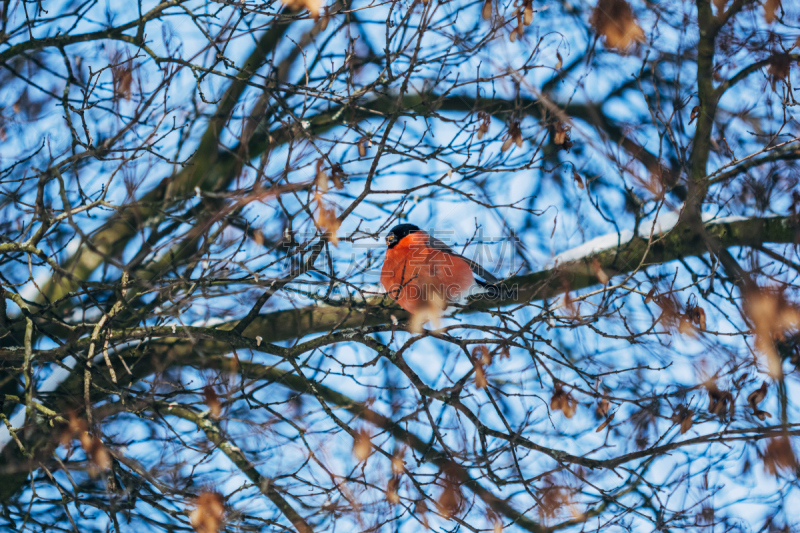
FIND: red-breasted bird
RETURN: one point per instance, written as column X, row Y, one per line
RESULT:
column 423, row 274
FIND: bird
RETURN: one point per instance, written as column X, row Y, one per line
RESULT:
column 423, row 275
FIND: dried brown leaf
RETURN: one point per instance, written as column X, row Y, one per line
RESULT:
column 685, row 327
column 683, row 416
column 96, row 451
column 605, row 423
column 422, row 510
column 527, row 17
column 780, row 65
column 686, row 424
column 562, row 133
column 313, row 6
column 398, row 464
column 649, row 297
column 505, row 352
column 772, row 315
column 520, row 29
column 771, row 10
column 486, row 12
column 553, row 498
column 336, row 175
column 122, row 76
column 362, row 445
column 513, row 136
column 779, row 456
column 480, row 377
column 77, row 426
column 258, row 237
column 329, row 222
column 615, row 21
column 761, row 415
column 211, row 400
column 392, row 487
column 450, row 500
column 563, row 401
column 603, row 406
column 323, row 22
column 208, row 513
column 601, row 275
column 321, row 178
column 718, row 401
column 578, row 180
column 482, row 355
column 755, row 398
column 700, row 318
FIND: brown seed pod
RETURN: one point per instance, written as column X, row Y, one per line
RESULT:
column 486, row 12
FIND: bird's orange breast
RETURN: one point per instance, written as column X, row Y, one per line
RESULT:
column 419, row 277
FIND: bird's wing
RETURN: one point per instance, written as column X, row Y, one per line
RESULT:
column 477, row 269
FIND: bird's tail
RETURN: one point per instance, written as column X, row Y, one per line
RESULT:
column 497, row 291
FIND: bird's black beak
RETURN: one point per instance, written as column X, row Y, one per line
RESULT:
column 391, row 239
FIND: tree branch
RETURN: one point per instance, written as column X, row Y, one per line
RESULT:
column 680, row 243
column 202, row 171
column 234, row 453
column 67, row 39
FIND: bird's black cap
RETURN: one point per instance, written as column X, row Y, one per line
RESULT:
column 397, row 233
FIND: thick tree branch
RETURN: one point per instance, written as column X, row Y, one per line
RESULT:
column 790, row 152
column 631, row 254
column 67, row 39
column 213, row 170
column 574, row 275
column 701, row 143
column 746, row 71
column 205, row 171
